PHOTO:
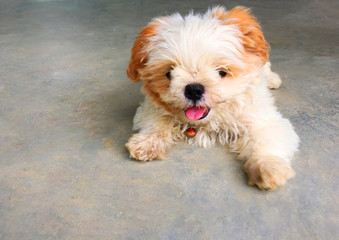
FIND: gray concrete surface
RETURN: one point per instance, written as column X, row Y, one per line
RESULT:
column 66, row 109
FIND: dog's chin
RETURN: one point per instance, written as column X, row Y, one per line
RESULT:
column 196, row 113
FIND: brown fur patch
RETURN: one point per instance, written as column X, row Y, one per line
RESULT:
column 253, row 40
column 156, row 82
column 139, row 51
column 154, row 76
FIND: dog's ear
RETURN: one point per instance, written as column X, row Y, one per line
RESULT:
column 139, row 51
column 253, row 38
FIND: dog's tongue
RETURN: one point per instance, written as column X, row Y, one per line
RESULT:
column 195, row 113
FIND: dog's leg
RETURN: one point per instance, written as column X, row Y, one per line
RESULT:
column 273, row 79
column 268, row 149
column 273, row 145
column 147, row 146
column 155, row 136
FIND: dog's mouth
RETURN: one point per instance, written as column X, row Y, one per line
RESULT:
column 196, row 113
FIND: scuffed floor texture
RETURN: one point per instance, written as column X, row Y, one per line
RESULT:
column 66, row 110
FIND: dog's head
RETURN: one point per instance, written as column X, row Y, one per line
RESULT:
column 192, row 64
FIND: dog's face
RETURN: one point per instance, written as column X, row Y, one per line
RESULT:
column 190, row 65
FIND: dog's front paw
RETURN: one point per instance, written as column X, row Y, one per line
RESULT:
column 147, row 147
column 268, row 172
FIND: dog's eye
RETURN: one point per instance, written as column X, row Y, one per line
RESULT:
column 222, row 73
column 168, row 75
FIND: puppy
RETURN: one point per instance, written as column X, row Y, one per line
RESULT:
column 206, row 79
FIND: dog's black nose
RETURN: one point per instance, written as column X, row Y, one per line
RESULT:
column 194, row 92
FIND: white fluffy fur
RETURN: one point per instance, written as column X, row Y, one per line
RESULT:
column 242, row 118
column 192, row 39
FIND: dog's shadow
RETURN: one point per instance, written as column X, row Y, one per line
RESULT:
column 107, row 113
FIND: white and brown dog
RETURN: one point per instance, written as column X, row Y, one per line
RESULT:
column 206, row 79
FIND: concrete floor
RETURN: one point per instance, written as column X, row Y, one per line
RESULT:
column 66, row 109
